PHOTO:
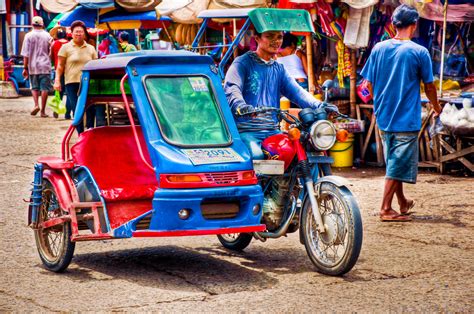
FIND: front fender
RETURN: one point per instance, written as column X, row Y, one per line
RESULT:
column 63, row 191
column 336, row 180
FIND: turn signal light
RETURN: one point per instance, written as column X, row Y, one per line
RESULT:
column 294, row 134
column 183, row 178
column 342, row 135
column 248, row 175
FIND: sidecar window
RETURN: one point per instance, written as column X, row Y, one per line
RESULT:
column 187, row 111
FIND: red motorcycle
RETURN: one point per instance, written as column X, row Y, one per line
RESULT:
column 300, row 193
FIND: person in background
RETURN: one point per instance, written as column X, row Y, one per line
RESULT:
column 71, row 59
column 293, row 60
column 394, row 70
column 37, row 64
column 124, row 44
column 57, row 44
column 255, row 79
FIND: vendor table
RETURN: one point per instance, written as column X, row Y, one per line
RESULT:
column 461, row 151
column 446, row 146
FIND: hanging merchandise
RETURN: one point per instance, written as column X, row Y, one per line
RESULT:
column 326, row 16
column 58, row 6
column 184, row 34
column 237, row 4
column 358, row 28
column 138, row 5
column 343, row 62
column 189, row 13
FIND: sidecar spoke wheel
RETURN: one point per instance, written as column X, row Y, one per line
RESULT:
column 54, row 244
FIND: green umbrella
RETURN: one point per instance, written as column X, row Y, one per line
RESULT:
column 55, row 21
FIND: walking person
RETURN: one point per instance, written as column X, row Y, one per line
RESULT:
column 124, row 37
column 37, row 64
column 71, row 59
column 395, row 69
column 55, row 47
column 293, row 60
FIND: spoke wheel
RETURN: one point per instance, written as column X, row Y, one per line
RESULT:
column 235, row 241
column 54, row 244
column 336, row 251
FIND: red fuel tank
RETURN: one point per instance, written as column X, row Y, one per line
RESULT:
column 279, row 147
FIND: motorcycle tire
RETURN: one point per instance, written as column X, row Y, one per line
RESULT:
column 54, row 244
column 341, row 215
column 235, row 241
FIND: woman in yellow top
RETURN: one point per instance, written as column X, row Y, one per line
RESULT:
column 71, row 59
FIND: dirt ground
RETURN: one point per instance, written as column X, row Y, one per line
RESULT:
column 426, row 265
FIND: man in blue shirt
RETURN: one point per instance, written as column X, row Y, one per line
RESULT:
column 254, row 80
column 395, row 70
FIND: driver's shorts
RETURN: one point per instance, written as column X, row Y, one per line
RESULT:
column 400, row 150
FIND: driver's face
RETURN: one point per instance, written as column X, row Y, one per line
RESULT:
column 270, row 42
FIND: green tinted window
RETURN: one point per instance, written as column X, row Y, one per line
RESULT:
column 187, row 110
column 107, row 87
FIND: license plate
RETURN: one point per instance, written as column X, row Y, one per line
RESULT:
column 203, row 156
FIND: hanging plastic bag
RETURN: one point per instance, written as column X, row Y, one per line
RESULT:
column 363, row 91
column 56, row 104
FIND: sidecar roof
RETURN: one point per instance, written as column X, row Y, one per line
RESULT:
column 116, row 63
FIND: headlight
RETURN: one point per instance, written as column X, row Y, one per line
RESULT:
column 323, row 134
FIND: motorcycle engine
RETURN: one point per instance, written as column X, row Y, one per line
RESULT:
column 274, row 203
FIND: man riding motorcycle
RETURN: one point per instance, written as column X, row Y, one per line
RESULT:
column 254, row 80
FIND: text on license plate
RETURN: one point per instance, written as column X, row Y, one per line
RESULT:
column 202, row 156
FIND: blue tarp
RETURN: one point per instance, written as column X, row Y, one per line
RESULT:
column 88, row 16
column 121, row 15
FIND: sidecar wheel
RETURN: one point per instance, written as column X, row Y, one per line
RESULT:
column 54, row 244
column 235, row 241
column 336, row 251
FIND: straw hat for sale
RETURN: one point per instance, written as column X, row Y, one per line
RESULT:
column 360, row 4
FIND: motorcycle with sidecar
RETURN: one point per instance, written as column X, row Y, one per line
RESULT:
column 165, row 159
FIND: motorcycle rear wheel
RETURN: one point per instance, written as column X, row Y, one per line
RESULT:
column 336, row 251
column 54, row 244
column 235, row 241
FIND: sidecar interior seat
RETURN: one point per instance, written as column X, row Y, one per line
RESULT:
column 125, row 182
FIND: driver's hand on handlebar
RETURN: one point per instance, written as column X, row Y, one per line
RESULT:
column 332, row 110
column 243, row 110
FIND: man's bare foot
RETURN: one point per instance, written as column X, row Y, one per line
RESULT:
column 35, row 111
column 391, row 215
column 405, row 208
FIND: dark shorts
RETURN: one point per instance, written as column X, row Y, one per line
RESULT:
column 401, row 155
column 40, row 82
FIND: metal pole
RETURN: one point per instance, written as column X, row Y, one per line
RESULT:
column 443, row 44
column 309, row 58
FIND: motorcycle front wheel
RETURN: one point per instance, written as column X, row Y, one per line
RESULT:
column 54, row 244
column 235, row 241
column 336, row 251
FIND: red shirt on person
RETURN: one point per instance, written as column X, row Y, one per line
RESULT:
column 57, row 44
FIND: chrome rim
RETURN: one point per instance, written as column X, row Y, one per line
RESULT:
column 329, row 248
column 230, row 237
column 51, row 240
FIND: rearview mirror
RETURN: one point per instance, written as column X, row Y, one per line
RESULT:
column 328, row 84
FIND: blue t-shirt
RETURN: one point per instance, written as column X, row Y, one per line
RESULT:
column 395, row 68
column 251, row 81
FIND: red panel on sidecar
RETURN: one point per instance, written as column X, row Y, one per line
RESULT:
column 111, row 155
